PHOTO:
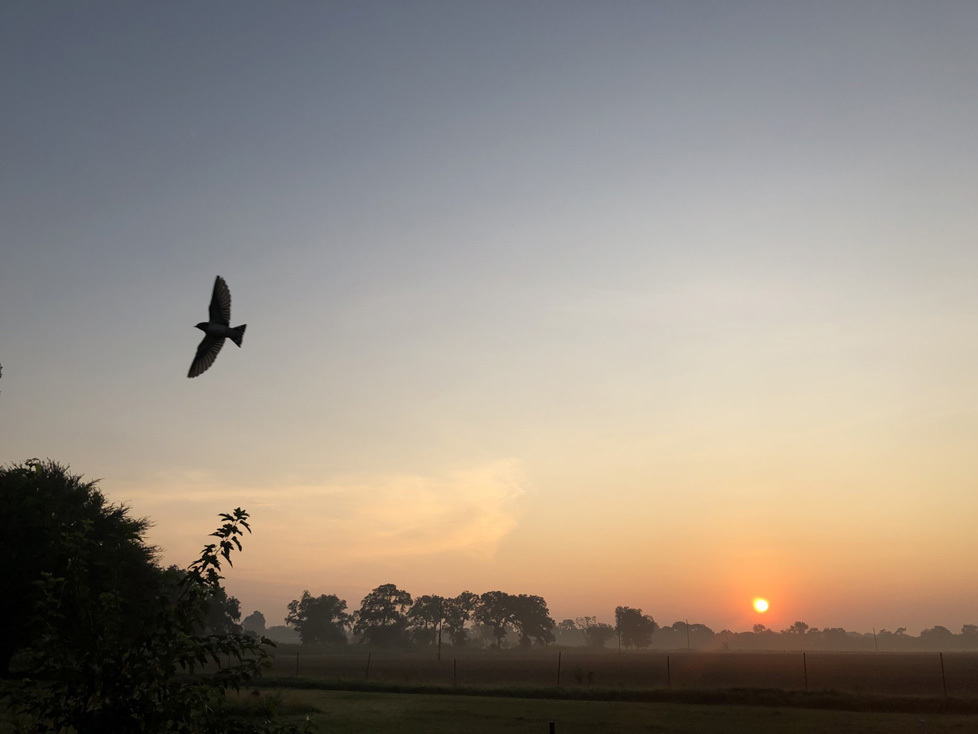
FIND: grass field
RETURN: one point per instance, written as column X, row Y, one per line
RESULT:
column 911, row 674
column 513, row 691
column 346, row 712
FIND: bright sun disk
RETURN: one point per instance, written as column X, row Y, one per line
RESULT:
column 760, row 605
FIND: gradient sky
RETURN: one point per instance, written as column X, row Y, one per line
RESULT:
column 662, row 304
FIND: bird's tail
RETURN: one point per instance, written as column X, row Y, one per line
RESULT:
column 237, row 334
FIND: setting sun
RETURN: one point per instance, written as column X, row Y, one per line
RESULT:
column 760, row 605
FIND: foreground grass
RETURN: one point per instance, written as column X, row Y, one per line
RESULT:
column 352, row 712
column 356, row 711
column 766, row 697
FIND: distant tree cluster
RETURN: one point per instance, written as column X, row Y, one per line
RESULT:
column 799, row 636
column 390, row 617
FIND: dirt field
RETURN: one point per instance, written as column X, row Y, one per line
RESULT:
column 891, row 674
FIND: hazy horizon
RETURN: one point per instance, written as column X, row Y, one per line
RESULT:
column 660, row 304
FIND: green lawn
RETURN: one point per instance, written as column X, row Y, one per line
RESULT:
column 346, row 712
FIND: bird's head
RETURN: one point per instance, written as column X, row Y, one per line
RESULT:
column 202, row 326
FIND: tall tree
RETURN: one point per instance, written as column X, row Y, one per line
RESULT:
column 531, row 618
column 458, row 611
column 382, row 617
column 426, row 616
column 318, row 619
column 54, row 522
column 170, row 678
column 254, row 623
column 495, row 611
column 634, row 628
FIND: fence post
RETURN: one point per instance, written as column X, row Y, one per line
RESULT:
column 297, row 665
column 366, row 673
column 558, row 668
column 668, row 674
column 943, row 678
column 454, row 672
column 804, row 661
column 553, row 728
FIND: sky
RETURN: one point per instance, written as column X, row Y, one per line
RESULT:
column 668, row 305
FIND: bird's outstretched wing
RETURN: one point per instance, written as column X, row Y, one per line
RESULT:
column 220, row 308
column 206, row 353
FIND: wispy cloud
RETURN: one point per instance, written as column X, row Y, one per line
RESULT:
column 368, row 519
column 468, row 511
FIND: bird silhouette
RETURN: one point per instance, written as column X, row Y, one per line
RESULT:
column 216, row 330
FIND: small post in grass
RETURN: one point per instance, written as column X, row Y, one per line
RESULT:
column 297, row 665
column 668, row 674
column 553, row 728
column 366, row 673
column 804, row 661
column 558, row 668
column 943, row 678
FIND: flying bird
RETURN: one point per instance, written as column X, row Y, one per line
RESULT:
column 216, row 330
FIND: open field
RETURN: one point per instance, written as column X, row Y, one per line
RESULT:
column 905, row 674
column 356, row 712
column 346, row 712
column 515, row 691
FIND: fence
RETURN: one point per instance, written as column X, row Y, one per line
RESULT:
column 934, row 674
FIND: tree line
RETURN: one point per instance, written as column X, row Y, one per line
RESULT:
column 390, row 617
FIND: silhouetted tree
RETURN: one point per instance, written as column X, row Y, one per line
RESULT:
column 53, row 522
column 892, row 641
column 254, row 623
column 382, row 617
column 458, row 611
column 833, row 638
column 156, row 682
column 700, row 635
column 318, row 619
column 596, row 633
column 426, row 615
column 568, row 633
column 798, row 628
column 634, row 629
column 531, row 619
column 937, row 637
column 495, row 611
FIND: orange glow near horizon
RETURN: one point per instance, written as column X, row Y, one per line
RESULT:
column 760, row 605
